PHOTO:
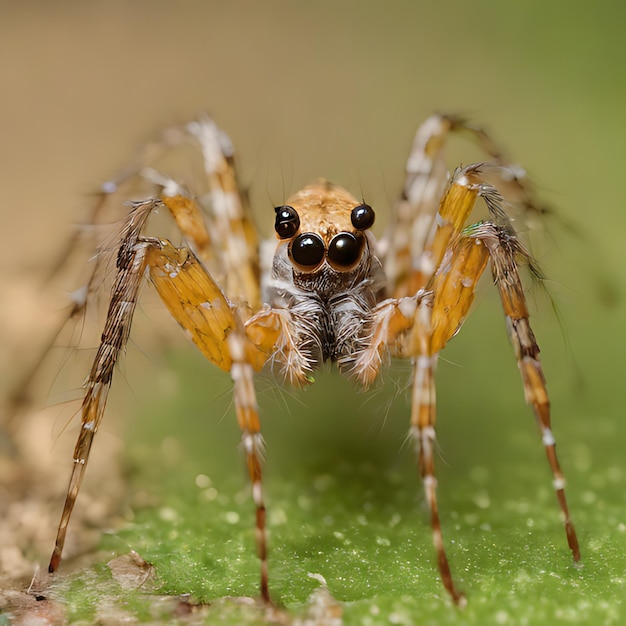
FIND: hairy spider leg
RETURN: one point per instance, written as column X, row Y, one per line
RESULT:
column 197, row 303
column 218, row 225
column 202, row 308
column 426, row 339
column 426, row 177
column 231, row 256
column 439, row 318
column 131, row 267
column 122, row 181
column 19, row 397
column 230, row 216
column 504, row 250
column 405, row 325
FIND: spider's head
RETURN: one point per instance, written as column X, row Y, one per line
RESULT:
column 323, row 224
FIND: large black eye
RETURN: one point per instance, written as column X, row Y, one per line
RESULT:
column 307, row 251
column 344, row 250
column 362, row 216
column 287, row 222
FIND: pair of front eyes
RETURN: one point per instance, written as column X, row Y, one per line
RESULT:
column 307, row 250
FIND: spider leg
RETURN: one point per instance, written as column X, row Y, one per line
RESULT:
column 197, row 303
column 187, row 214
column 426, row 176
column 148, row 153
column 273, row 331
column 504, row 249
column 425, row 180
column 407, row 325
column 20, row 395
column 438, row 319
column 390, row 319
column 423, row 417
column 131, row 266
column 229, row 215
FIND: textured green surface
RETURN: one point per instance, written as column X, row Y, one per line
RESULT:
column 344, row 502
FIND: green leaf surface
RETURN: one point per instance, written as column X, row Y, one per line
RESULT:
column 344, row 502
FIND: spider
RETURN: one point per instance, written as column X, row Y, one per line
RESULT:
column 330, row 292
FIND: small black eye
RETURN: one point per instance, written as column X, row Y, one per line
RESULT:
column 344, row 250
column 307, row 251
column 287, row 222
column 362, row 216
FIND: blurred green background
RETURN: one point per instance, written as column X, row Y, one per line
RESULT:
column 336, row 89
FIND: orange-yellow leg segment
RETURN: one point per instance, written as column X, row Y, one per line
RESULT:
column 453, row 292
column 198, row 305
column 188, row 215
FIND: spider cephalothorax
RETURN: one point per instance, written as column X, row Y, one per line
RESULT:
column 331, row 292
column 326, row 273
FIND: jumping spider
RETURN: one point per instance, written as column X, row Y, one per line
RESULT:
column 331, row 292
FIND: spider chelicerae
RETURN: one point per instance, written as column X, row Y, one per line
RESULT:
column 330, row 292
